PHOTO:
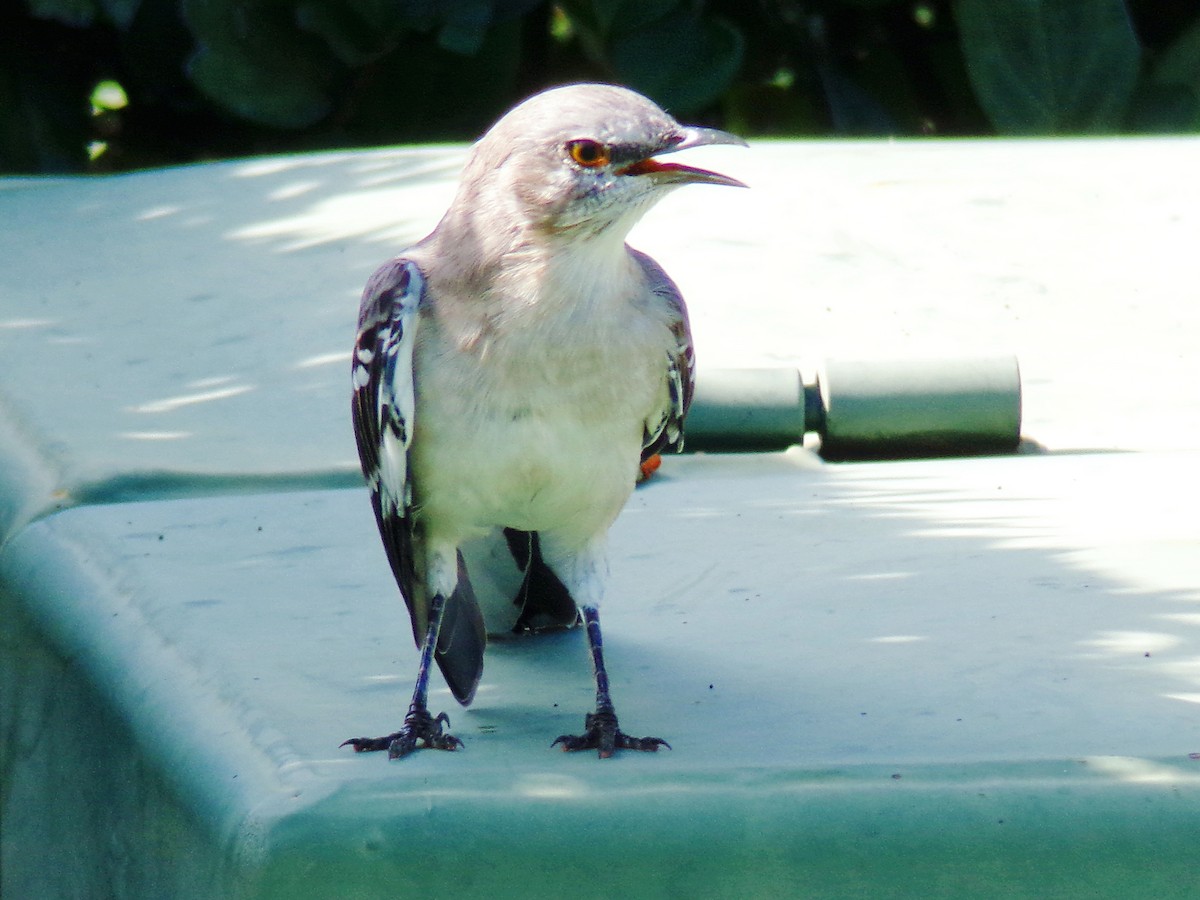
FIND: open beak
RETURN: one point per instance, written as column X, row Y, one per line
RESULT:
column 676, row 173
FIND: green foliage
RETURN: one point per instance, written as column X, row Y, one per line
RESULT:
column 671, row 50
column 198, row 79
column 1050, row 66
column 1173, row 89
column 259, row 65
column 288, row 65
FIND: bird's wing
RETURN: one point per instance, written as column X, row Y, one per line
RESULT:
column 384, row 412
column 665, row 432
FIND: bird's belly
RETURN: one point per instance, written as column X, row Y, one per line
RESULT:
column 535, row 433
column 535, row 471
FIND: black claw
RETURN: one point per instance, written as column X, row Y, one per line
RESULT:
column 602, row 735
column 369, row 745
column 419, row 728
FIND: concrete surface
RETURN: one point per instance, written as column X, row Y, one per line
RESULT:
column 925, row 678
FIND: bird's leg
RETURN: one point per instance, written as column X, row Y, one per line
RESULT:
column 419, row 725
column 601, row 732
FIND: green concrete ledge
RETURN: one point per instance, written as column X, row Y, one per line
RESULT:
column 846, row 714
column 936, row 678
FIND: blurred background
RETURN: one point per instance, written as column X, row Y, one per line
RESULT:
column 114, row 85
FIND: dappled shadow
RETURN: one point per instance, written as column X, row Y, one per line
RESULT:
column 198, row 320
column 944, row 620
column 761, row 614
column 886, row 647
column 942, row 610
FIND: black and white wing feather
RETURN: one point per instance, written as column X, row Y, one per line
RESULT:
column 666, row 432
column 384, row 412
column 384, row 408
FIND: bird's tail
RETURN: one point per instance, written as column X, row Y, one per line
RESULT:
column 545, row 602
column 462, row 640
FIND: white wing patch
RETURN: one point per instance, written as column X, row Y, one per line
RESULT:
column 382, row 376
column 397, row 404
column 673, row 418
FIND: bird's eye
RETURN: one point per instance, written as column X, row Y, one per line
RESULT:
column 590, row 154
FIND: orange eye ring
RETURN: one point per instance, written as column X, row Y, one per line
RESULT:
column 589, row 154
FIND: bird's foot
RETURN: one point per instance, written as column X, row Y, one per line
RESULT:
column 419, row 726
column 602, row 735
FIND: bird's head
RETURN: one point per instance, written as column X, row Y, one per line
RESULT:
column 582, row 160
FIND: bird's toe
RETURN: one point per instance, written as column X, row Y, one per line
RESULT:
column 602, row 734
column 420, row 730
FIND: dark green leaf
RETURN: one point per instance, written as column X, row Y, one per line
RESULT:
column 121, row 12
column 1179, row 68
column 682, row 61
column 254, row 61
column 1159, row 108
column 465, row 26
column 421, row 91
column 466, row 23
column 76, row 13
column 853, row 109
column 601, row 19
column 279, row 97
column 356, row 34
column 45, row 118
column 1050, row 66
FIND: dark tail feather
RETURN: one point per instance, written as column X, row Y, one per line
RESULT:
column 462, row 640
column 544, row 600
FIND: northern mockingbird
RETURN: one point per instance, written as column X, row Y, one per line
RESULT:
column 510, row 372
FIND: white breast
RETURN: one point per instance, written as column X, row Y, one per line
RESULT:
column 539, row 425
